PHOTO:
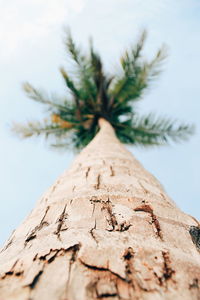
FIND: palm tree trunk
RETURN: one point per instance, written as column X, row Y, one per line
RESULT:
column 105, row 230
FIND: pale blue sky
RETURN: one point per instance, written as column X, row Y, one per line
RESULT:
column 31, row 49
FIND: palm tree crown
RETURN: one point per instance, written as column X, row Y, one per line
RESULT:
column 95, row 94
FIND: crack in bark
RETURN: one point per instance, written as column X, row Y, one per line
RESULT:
column 50, row 257
column 128, row 257
column 87, row 172
column 95, row 199
column 96, row 292
column 107, row 295
column 167, row 270
column 61, row 221
column 95, row 268
column 131, row 273
column 129, row 254
column 42, row 224
column 117, row 289
column 53, row 253
column 12, row 273
column 112, row 221
column 97, row 186
column 93, row 209
column 194, row 284
column 112, row 173
column 124, row 227
column 53, row 256
column 92, row 233
column 35, row 257
column 30, row 237
column 35, row 280
column 147, row 208
column 75, row 249
column 10, row 241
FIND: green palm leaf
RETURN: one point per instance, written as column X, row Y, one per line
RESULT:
column 136, row 73
column 151, row 130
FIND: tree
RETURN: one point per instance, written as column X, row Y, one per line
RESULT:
column 106, row 229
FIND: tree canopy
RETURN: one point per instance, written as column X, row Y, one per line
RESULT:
column 91, row 93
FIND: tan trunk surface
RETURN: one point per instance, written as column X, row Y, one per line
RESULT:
column 105, row 230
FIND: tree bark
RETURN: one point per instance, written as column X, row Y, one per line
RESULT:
column 105, row 230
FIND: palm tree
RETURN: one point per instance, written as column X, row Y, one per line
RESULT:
column 73, row 120
column 106, row 229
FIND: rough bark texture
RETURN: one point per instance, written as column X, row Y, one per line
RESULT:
column 105, row 230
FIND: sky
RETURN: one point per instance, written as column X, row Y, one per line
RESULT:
column 32, row 49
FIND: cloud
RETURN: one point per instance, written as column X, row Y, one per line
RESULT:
column 25, row 21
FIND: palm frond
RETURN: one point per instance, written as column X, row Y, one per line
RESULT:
column 151, row 130
column 155, row 66
column 136, row 73
column 101, row 81
column 41, row 97
column 73, row 51
column 70, row 84
column 85, row 84
column 96, row 66
column 39, row 128
column 136, row 51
